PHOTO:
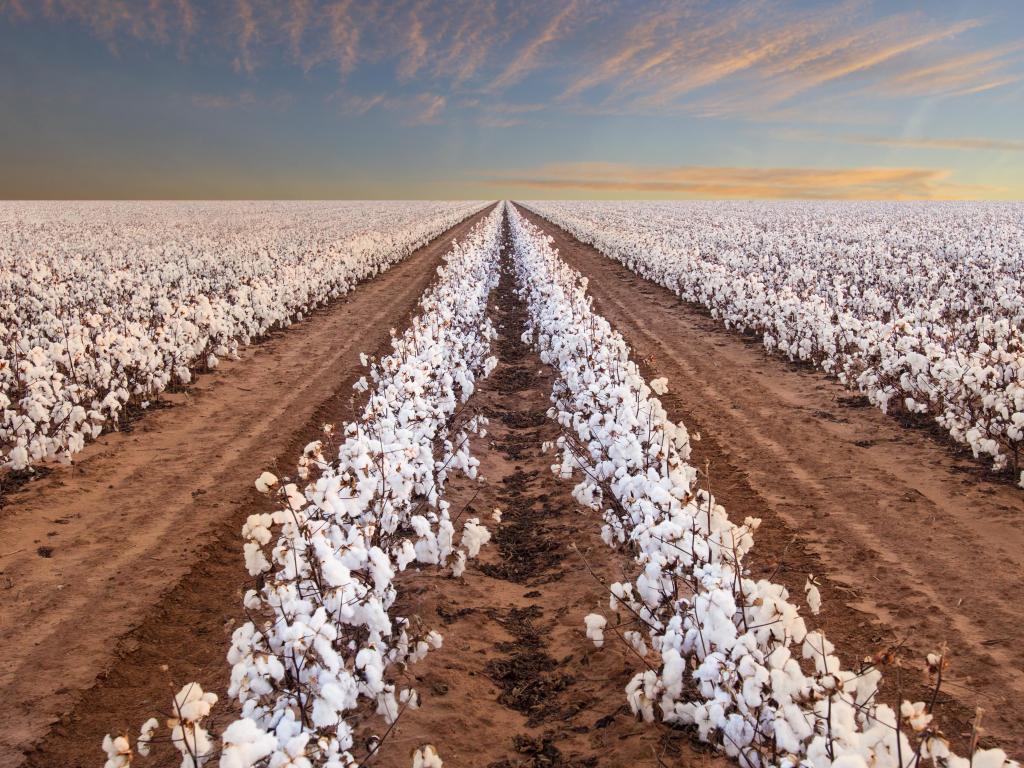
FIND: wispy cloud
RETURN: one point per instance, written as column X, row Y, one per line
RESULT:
column 245, row 98
column 963, row 143
column 110, row 20
column 749, row 59
column 741, row 182
column 527, row 58
column 247, row 35
column 431, row 105
column 960, row 75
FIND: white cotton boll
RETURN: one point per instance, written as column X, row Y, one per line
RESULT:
column 813, row 595
column 916, row 715
column 659, row 386
column 849, row 761
column 118, row 750
column 265, row 482
column 192, row 704
column 146, row 736
column 255, row 561
column 474, row 536
column 363, row 359
column 989, row 758
column 496, row 514
column 245, row 744
column 426, row 757
column 18, row 458
column 595, row 628
column 459, row 566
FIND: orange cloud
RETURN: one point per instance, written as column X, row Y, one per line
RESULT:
column 959, row 75
column 737, row 182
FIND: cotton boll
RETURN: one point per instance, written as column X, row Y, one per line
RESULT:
column 813, row 595
column 916, row 715
column 265, row 482
column 659, row 386
column 146, row 736
column 595, row 628
column 118, row 751
column 245, row 744
column 474, row 536
column 426, row 757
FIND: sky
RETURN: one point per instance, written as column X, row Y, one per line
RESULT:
column 328, row 99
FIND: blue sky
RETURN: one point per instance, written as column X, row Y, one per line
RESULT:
column 430, row 98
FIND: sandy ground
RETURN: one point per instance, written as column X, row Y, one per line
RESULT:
column 131, row 558
column 916, row 545
column 517, row 684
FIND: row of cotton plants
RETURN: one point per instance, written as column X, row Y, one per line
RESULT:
column 919, row 306
column 724, row 653
column 322, row 640
column 103, row 305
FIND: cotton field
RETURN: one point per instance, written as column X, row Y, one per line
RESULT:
column 918, row 306
column 103, row 305
column 488, row 525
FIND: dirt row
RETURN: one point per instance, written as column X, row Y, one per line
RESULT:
column 916, row 546
column 517, row 684
column 131, row 559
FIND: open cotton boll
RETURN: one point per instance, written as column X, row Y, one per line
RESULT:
column 118, row 751
column 265, row 482
column 474, row 536
column 813, row 595
column 595, row 628
column 426, row 757
column 245, row 744
column 659, row 386
column 146, row 735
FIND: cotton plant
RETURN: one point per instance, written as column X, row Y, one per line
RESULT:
column 724, row 653
column 105, row 305
column 322, row 641
column 918, row 306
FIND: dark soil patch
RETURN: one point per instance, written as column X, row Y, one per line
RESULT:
column 513, row 379
column 132, row 412
column 13, row 480
column 541, row 752
column 528, row 555
column 529, row 678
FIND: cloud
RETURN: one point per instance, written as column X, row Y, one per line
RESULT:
column 247, row 34
column 421, row 109
column 430, row 106
column 751, row 59
column 960, row 75
column 110, row 20
column 245, row 98
column 740, row 182
column 965, row 143
column 526, row 60
column 760, row 56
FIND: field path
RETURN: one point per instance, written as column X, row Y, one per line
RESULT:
column 919, row 543
column 91, row 553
